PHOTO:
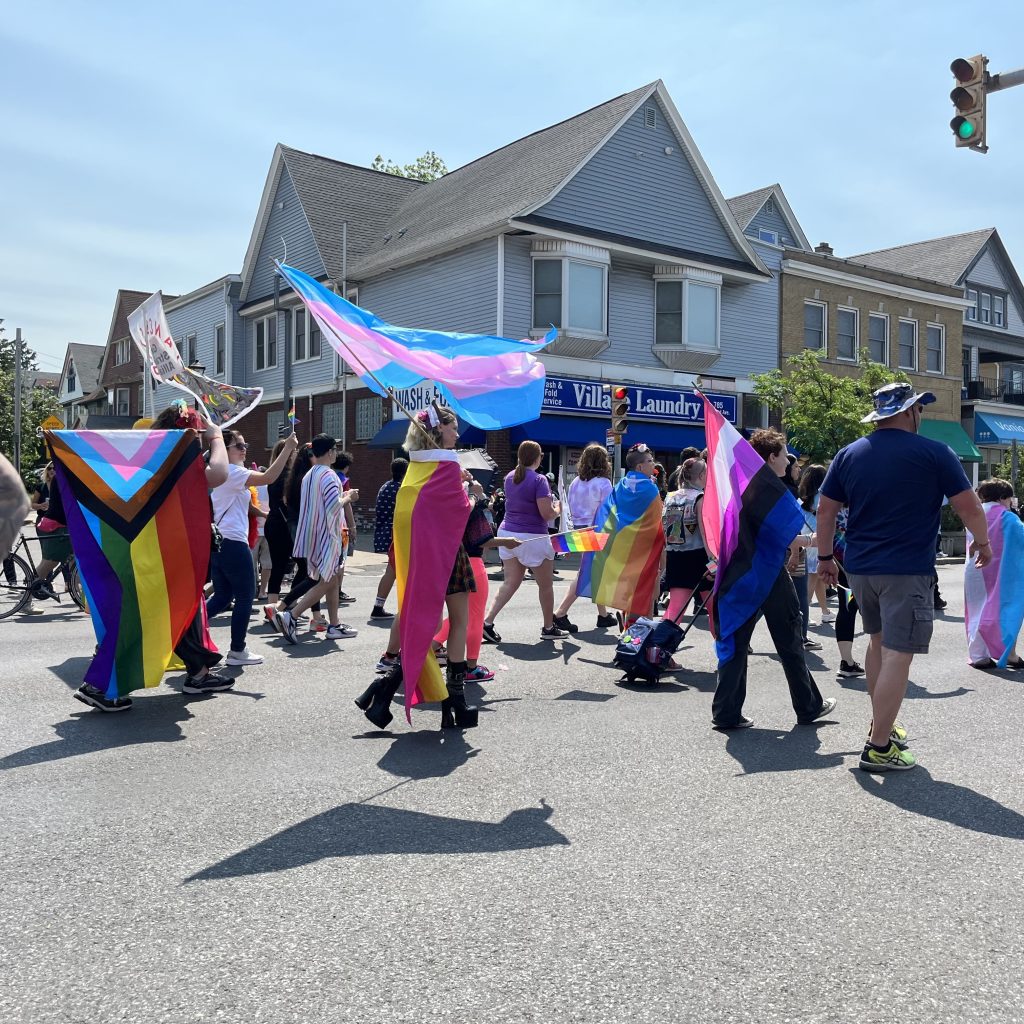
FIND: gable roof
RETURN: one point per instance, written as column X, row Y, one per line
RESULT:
column 482, row 197
column 87, row 359
column 945, row 259
column 125, row 303
column 331, row 193
column 746, row 207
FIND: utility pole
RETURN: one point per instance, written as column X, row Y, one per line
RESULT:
column 17, row 400
column 344, row 365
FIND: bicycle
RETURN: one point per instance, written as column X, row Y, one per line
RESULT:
column 20, row 582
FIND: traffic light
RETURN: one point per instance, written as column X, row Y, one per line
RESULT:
column 620, row 408
column 968, row 97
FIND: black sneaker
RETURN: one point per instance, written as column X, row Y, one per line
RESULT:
column 491, row 634
column 210, row 683
column 98, row 699
column 554, row 633
column 379, row 613
column 850, row 668
column 939, row 604
column 742, row 723
column 562, row 622
column 604, row 621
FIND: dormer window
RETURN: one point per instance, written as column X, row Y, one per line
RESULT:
column 771, row 237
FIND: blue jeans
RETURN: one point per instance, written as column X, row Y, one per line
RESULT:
column 233, row 578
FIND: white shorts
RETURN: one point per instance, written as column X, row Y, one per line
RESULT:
column 531, row 552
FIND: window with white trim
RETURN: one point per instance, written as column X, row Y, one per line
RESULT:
column 998, row 315
column 571, row 294
column 190, row 350
column 218, row 349
column 986, row 306
column 764, row 235
column 265, row 343
column 815, row 323
column 369, row 417
column 935, row 348
column 972, row 309
column 299, row 334
column 72, row 381
column 847, row 329
column 122, row 401
column 878, row 338
column 908, row 345
column 686, row 314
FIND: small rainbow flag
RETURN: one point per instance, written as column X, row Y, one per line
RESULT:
column 579, row 540
column 291, row 415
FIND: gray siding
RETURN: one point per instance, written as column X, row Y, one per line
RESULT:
column 454, row 292
column 771, row 222
column 750, row 323
column 631, row 315
column 653, row 197
column 987, row 271
column 518, row 286
column 271, row 379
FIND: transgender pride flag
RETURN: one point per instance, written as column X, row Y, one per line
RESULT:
column 490, row 382
column 749, row 520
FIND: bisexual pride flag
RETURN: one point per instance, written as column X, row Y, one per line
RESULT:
column 749, row 520
column 490, row 382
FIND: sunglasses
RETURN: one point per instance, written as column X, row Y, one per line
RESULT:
column 241, row 446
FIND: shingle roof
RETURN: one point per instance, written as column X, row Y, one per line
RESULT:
column 126, row 302
column 484, row 194
column 943, row 259
column 745, row 206
column 332, row 192
column 87, row 363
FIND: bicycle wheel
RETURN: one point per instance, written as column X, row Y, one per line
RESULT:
column 74, row 583
column 14, row 577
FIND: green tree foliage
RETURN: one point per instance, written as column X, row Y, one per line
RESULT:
column 37, row 405
column 424, row 168
column 822, row 412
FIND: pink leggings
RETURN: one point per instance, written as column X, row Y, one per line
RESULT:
column 477, row 606
column 677, row 598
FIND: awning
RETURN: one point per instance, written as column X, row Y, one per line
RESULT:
column 392, row 435
column 582, row 430
column 995, row 428
column 953, row 435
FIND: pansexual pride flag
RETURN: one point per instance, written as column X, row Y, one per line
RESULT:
column 579, row 540
column 139, row 520
column 431, row 511
column 624, row 573
column 490, row 382
column 994, row 596
column 749, row 520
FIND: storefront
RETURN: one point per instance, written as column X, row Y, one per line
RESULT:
column 994, row 433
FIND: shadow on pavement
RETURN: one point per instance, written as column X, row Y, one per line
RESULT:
column 151, row 720
column 427, row 755
column 72, row 671
column 775, row 750
column 367, row 830
column 918, row 792
column 586, row 695
column 542, row 650
column 914, row 691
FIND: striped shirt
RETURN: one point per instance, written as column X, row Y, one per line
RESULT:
column 318, row 536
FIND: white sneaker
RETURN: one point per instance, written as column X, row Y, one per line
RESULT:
column 340, row 632
column 243, row 657
column 828, row 617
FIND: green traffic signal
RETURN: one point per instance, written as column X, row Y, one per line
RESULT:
column 966, row 129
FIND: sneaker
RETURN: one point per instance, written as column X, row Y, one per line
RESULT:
column 850, row 668
column 984, row 665
column 341, row 632
column 98, row 699
column 243, row 657
column 346, row 598
column 387, row 663
column 897, row 735
column 210, row 683
column 828, row 617
column 379, row 613
column 318, row 625
column 270, row 611
column 285, row 626
column 811, row 645
column 554, row 633
column 891, row 760
column 604, row 621
column 480, row 674
column 828, row 705
column 939, row 604
column 742, row 723
column 441, row 653
column 31, row 609
column 491, row 634
column 562, row 622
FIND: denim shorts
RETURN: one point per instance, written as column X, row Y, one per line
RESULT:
column 901, row 608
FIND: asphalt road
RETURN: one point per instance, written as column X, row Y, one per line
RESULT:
column 589, row 853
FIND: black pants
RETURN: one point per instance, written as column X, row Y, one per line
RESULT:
column 301, row 585
column 191, row 650
column 279, row 541
column 781, row 611
column 846, row 616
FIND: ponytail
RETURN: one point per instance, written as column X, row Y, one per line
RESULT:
column 527, row 454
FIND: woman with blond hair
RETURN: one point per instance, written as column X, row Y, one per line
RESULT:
column 528, row 508
column 587, row 492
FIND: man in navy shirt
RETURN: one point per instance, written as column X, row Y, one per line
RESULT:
column 894, row 483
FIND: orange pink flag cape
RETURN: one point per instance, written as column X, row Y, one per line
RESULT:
column 431, row 511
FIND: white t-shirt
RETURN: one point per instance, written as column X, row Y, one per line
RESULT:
column 263, row 497
column 231, row 504
column 586, row 497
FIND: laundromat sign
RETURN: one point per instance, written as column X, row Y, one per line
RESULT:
column 674, row 405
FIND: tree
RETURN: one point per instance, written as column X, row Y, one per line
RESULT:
column 425, row 168
column 822, row 412
column 36, row 404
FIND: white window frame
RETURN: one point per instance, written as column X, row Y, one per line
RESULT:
column 941, row 328
column 998, row 316
column 267, row 365
column 972, row 309
column 685, row 282
column 856, row 334
column 823, row 306
column 899, row 344
column 884, row 317
column 309, row 323
column 773, row 236
column 220, row 349
column 985, row 307
column 566, row 258
column 127, row 392
column 190, row 344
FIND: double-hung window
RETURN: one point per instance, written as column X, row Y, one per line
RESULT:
column 190, row 350
column 935, row 345
column 265, row 342
column 570, row 291
column 686, row 313
column 218, row 349
column 305, row 335
column 846, row 333
column 878, row 338
column 814, row 325
column 986, row 307
column 908, row 345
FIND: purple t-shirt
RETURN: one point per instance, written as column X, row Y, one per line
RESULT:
column 521, row 512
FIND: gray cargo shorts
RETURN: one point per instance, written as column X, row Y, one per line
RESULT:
column 901, row 608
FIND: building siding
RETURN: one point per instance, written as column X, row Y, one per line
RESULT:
column 750, row 322
column 654, row 196
column 774, row 221
column 518, row 286
column 987, row 272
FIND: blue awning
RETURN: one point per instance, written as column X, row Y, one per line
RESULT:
column 995, row 428
column 582, row 430
column 392, row 435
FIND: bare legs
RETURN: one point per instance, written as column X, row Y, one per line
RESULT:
column 887, row 673
column 514, row 571
column 544, row 575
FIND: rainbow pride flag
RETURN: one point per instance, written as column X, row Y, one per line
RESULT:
column 139, row 520
column 431, row 511
column 623, row 574
column 749, row 520
column 994, row 595
column 490, row 382
column 579, row 540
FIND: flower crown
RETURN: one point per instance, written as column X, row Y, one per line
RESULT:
column 429, row 417
column 640, row 447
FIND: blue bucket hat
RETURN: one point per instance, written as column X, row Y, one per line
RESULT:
column 894, row 399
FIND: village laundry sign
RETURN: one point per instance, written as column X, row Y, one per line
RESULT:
column 668, row 405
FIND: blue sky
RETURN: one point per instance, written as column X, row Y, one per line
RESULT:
column 137, row 137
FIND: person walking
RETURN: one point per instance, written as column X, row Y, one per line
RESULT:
column 383, row 533
column 894, row 482
column 276, row 529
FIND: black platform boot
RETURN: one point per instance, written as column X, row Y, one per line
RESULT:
column 365, row 699
column 455, row 712
column 379, row 711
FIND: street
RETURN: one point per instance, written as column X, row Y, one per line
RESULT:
column 590, row 853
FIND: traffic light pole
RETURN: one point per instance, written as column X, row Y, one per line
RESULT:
column 1005, row 80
